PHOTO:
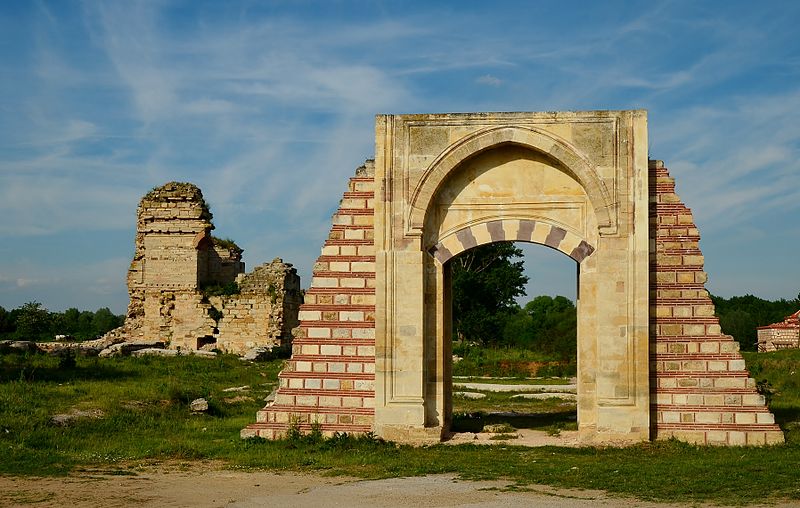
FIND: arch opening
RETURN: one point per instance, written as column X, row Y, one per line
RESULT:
column 500, row 334
column 504, row 193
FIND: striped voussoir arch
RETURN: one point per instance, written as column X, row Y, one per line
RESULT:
column 512, row 230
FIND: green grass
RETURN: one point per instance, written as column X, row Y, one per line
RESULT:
column 503, row 401
column 778, row 376
column 145, row 402
column 472, row 415
column 147, row 419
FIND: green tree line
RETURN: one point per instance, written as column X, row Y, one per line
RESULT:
column 31, row 321
column 739, row 316
column 487, row 280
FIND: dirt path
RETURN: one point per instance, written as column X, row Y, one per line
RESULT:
column 204, row 485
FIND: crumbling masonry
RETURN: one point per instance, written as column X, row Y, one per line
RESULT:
column 188, row 289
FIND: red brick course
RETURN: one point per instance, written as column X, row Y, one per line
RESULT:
column 329, row 382
column 700, row 389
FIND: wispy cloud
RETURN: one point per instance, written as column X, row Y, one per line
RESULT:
column 269, row 107
column 488, row 79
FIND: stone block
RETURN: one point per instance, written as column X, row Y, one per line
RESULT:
column 307, row 400
column 352, row 402
column 309, row 349
column 709, row 347
column 330, row 401
column 765, row 418
column 753, row 400
column 330, row 349
column 773, row 438
column 736, row 365
column 319, row 333
column 719, row 365
column 707, row 417
column 337, row 367
column 694, row 399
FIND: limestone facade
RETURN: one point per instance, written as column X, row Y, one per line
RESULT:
column 176, row 260
column 782, row 335
column 372, row 352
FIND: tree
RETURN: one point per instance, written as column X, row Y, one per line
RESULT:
column 554, row 325
column 7, row 326
column 486, row 281
column 739, row 316
column 33, row 322
column 104, row 320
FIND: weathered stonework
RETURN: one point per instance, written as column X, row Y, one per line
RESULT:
column 176, row 258
column 372, row 352
column 782, row 335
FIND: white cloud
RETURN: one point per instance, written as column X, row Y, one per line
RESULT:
column 488, row 79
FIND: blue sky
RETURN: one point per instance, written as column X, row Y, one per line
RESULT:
column 269, row 107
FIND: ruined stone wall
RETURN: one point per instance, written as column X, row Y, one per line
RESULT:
column 177, row 261
column 701, row 391
column 783, row 335
column 269, row 295
column 221, row 263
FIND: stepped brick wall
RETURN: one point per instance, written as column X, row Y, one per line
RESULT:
column 701, row 391
column 329, row 381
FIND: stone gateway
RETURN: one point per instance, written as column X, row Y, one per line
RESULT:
column 373, row 349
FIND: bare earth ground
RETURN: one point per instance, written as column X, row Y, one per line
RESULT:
column 206, row 485
column 524, row 437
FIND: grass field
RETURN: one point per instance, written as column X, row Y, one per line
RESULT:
column 143, row 404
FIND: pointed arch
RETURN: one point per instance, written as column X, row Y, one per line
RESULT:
column 522, row 230
column 558, row 149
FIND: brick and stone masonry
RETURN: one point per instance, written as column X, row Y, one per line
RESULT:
column 176, row 257
column 330, row 380
column 701, row 391
column 782, row 335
